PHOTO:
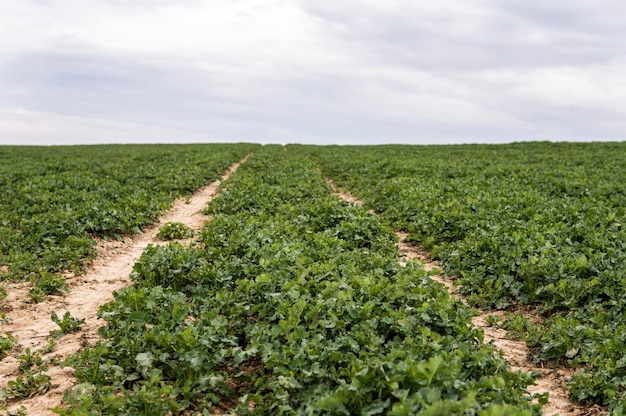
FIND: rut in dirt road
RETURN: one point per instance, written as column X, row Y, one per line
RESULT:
column 553, row 381
column 30, row 324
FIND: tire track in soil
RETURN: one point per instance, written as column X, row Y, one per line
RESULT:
column 552, row 381
column 30, row 324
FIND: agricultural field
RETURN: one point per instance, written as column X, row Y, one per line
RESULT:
column 54, row 201
column 285, row 299
column 290, row 301
column 539, row 225
column 56, row 206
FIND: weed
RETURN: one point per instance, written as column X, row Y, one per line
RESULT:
column 434, row 271
column 27, row 385
column 47, row 284
column 30, row 359
column 49, row 348
column 174, row 231
column 517, row 326
column 493, row 321
column 67, row 325
column 6, row 343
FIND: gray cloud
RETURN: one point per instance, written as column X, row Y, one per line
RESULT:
column 85, row 84
column 317, row 72
column 519, row 34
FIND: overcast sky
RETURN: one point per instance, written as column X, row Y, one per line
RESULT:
column 311, row 71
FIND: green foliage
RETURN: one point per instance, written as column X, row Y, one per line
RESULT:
column 434, row 271
column 29, row 359
column 292, row 302
column 517, row 326
column 533, row 223
column 28, row 384
column 174, row 231
column 493, row 321
column 55, row 200
column 49, row 348
column 171, row 266
column 67, row 325
column 47, row 284
column 32, row 379
column 7, row 342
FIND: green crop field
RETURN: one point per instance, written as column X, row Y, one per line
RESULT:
column 535, row 224
column 55, row 200
column 291, row 301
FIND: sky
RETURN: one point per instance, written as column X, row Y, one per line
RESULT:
column 311, row 71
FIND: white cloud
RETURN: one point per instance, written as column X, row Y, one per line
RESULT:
column 290, row 70
column 20, row 126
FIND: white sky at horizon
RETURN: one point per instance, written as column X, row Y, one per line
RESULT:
column 285, row 71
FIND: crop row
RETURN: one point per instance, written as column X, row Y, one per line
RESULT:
column 55, row 200
column 289, row 302
column 541, row 224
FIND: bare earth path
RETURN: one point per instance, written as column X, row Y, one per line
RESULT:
column 553, row 381
column 30, row 324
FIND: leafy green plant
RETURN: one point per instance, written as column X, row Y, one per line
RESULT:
column 291, row 302
column 56, row 200
column 3, row 318
column 67, row 325
column 493, row 320
column 29, row 359
column 7, row 342
column 32, row 378
column 49, row 348
column 527, row 223
column 28, row 384
column 47, row 284
column 174, row 231
column 434, row 271
column 170, row 266
column 517, row 326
